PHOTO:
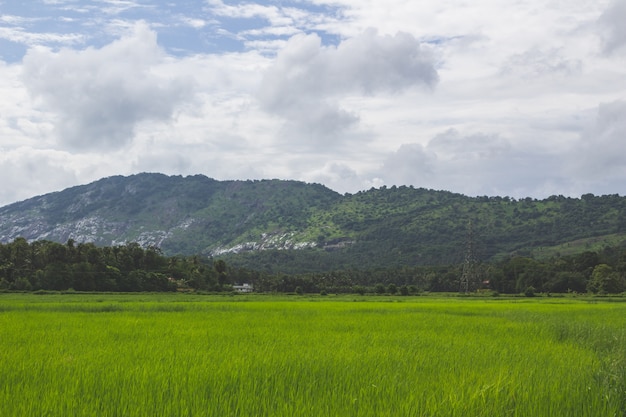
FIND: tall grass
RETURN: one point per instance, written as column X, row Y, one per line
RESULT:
column 191, row 356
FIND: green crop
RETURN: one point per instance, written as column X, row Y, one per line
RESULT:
column 187, row 355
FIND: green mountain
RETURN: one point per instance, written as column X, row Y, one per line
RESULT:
column 292, row 226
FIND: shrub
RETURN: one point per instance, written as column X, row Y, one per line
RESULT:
column 22, row 284
column 359, row 289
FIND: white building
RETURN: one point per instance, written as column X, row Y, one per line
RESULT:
column 243, row 287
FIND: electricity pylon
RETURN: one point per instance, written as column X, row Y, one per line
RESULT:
column 469, row 277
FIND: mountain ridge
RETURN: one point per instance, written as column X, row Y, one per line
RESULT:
column 247, row 221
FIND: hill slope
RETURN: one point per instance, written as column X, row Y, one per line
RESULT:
column 245, row 220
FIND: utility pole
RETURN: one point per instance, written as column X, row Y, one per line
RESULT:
column 469, row 277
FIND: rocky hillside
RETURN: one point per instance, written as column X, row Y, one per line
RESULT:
column 187, row 215
column 308, row 226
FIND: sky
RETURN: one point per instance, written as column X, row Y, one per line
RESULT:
column 518, row 98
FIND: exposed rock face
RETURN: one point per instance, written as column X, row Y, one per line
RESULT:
column 181, row 215
column 279, row 241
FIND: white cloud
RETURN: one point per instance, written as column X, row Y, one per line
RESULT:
column 613, row 28
column 539, row 63
column 366, row 64
column 453, row 146
column 22, row 36
column 115, row 7
column 305, row 90
column 272, row 22
column 275, row 15
column 244, row 10
column 56, row 2
column 475, row 164
column 15, row 20
column 99, row 95
column 33, row 172
column 599, row 156
column 410, row 164
column 194, row 22
column 339, row 176
column 307, row 81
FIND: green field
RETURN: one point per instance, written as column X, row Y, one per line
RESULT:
column 193, row 355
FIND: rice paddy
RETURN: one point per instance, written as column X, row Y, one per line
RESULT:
column 193, row 355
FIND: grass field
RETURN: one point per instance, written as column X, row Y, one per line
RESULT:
column 191, row 355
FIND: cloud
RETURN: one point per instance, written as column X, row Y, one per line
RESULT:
column 410, row 164
column 21, row 36
column 453, row 146
column 99, row 95
column 115, row 7
column 338, row 176
column 475, row 164
column 303, row 90
column 366, row 64
column 59, row 2
column 535, row 63
column 246, row 10
column 307, row 81
column 600, row 153
column 275, row 20
column 194, row 22
column 33, row 172
column 613, row 28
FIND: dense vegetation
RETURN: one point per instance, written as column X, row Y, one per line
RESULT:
column 249, row 222
column 85, row 267
column 189, row 355
column 403, row 226
column 46, row 265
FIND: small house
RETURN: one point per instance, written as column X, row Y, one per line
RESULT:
column 243, row 288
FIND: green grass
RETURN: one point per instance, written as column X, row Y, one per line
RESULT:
column 190, row 355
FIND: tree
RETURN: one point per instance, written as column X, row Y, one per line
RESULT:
column 22, row 284
column 56, row 277
column 530, row 291
column 564, row 281
column 84, row 277
column 133, row 281
column 605, row 280
column 220, row 268
column 359, row 289
column 20, row 254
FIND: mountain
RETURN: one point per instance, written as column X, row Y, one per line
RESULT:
column 299, row 227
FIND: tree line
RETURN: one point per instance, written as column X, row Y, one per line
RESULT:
column 601, row 272
column 46, row 265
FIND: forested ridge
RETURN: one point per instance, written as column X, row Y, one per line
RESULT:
column 387, row 226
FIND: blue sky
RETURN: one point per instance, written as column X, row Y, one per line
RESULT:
column 482, row 98
column 183, row 28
